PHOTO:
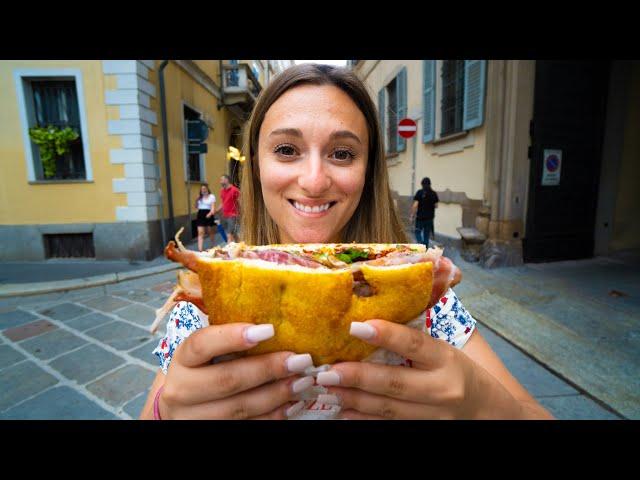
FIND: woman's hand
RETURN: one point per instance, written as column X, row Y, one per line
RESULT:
column 443, row 383
column 255, row 387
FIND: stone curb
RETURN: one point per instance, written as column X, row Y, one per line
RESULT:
column 38, row 288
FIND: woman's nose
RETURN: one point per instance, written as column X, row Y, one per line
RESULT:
column 314, row 179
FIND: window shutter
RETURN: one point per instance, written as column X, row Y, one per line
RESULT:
column 429, row 100
column 401, row 85
column 474, row 92
column 381, row 111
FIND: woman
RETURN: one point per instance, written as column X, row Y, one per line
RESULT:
column 314, row 141
column 206, row 205
column 423, row 210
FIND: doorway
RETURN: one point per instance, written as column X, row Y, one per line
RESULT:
column 565, row 153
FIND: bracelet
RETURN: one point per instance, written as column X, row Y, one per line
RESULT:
column 156, row 407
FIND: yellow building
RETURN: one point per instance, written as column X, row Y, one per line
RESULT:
column 106, row 197
column 538, row 158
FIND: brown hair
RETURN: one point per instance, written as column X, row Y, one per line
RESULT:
column 375, row 219
column 204, row 184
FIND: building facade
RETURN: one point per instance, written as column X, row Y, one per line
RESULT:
column 536, row 158
column 130, row 166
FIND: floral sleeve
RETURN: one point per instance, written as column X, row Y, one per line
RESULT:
column 185, row 318
column 448, row 320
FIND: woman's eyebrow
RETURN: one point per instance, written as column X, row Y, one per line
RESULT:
column 344, row 134
column 286, row 131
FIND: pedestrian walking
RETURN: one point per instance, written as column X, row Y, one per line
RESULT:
column 423, row 210
column 230, row 207
column 206, row 205
column 315, row 143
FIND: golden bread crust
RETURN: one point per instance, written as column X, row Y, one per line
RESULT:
column 312, row 310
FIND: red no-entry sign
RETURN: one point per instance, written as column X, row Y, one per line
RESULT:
column 407, row 128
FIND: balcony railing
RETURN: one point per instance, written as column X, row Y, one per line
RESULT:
column 240, row 86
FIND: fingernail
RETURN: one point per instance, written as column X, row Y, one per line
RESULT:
column 299, row 363
column 295, row 408
column 301, row 384
column 328, row 378
column 315, row 370
column 328, row 399
column 258, row 333
column 362, row 330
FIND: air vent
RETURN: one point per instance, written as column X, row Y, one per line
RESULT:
column 69, row 245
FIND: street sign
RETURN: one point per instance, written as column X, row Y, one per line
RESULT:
column 551, row 165
column 407, row 128
column 197, row 131
column 197, row 148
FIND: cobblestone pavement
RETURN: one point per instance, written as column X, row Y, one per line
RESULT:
column 86, row 354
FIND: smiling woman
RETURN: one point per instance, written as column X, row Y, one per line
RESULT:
column 315, row 173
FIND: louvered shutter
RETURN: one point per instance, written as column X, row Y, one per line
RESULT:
column 401, row 86
column 474, row 93
column 428, row 100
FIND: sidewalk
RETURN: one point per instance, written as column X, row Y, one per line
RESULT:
column 31, row 278
column 581, row 319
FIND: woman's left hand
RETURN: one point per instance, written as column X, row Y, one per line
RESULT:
column 443, row 384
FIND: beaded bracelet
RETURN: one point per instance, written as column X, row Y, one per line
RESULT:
column 156, row 407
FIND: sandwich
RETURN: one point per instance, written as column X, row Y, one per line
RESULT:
column 311, row 292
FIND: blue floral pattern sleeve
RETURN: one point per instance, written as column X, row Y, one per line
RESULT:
column 185, row 318
column 448, row 320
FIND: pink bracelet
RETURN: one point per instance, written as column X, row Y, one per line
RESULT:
column 156, row 407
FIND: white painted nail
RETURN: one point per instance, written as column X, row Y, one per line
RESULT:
column 362, row 330
column 315, row 370
column 295, row 408
column 299, row 363
column 258, row 333
column 328, row 399
column 328, row 378
column 301, row 384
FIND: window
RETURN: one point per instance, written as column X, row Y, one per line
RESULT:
column 392, row 116
column 194, row 160
column 54, row 102
column 453, row 97
column 452, row 103
column 256, row 68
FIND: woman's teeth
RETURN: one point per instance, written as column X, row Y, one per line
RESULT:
column 308, row 209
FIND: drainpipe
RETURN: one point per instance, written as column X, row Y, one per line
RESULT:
column 165, row 143
column 221, row 101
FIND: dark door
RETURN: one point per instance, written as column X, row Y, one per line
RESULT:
column 568, row 118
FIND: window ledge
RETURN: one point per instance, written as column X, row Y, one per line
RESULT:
column 448, row 138
column 50, row 182
column 390, row 155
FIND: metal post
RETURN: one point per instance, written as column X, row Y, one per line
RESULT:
column 413, row 171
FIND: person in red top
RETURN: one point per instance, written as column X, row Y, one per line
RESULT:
column 230, row 207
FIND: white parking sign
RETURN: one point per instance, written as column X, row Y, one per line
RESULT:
column 551, row 165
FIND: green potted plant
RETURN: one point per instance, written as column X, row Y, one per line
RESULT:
column 53, row 142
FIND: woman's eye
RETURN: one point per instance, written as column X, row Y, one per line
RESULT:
column 343, row 155
column 286, row 150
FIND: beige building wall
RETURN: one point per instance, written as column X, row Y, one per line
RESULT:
column 456, row 163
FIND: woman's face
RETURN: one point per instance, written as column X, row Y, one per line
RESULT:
column 203, row 190
column 312, row 151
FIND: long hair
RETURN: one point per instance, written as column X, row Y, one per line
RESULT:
column 375, row 219
column 200, row 193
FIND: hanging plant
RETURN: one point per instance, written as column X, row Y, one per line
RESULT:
column 53, row 142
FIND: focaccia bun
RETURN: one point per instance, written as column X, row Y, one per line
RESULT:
column 312, row 308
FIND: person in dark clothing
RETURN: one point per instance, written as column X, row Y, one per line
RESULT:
column 423, row 211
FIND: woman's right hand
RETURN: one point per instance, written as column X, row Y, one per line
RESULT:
column 257, row 387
